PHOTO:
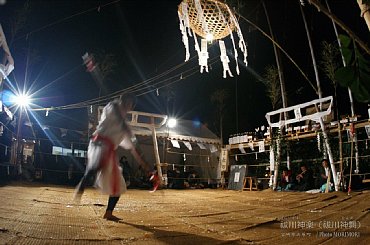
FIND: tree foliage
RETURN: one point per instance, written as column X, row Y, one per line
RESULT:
column 219, row 98
column 19, row 20
column 356, row 73
column 330, row 60
column 272, row 83
column 106, row 62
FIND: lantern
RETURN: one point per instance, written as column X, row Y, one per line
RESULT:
column 210, row 20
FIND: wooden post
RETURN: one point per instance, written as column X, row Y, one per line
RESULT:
column 156, row 154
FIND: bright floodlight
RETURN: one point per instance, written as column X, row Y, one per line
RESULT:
column 172, row 123
column 22, row 100
column 209, row 37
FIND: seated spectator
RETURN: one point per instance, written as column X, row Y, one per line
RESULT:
column 304, row 179
column 194, row 180
column 175, row 179
column 326, row 177
column 286, row 182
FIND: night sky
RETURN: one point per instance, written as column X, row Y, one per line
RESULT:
column 145, row 39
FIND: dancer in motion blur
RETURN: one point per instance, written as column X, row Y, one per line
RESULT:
column 111, row 132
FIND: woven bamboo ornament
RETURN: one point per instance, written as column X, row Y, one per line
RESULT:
column 210, row 20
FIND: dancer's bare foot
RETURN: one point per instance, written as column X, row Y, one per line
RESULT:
column 109, row 216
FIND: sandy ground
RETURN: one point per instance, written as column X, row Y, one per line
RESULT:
column 39, row 214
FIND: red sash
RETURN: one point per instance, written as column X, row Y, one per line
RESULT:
column 109, row 156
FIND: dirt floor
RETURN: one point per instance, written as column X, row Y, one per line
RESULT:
column 39, row 214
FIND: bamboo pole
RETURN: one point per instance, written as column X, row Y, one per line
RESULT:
column 351, row 104
column 281, row 49
column 340, row 23
column 326, row 139
column 365, row 12
column 283, row 94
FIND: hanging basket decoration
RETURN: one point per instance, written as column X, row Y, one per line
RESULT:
column 217, row 26
column 210, row 20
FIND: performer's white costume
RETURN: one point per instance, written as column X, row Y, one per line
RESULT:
column 111, row 132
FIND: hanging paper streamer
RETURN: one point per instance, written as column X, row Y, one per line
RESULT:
column 272, row 160
column 203, row 56
column 261, row 146
column 175, row 144
column 184, row 26
column 188, row 145
column 297, row 113
column 221, row 16
column 242, row 45
column 201, row 146
column 212, row 148
column 241, row 148
column 367, row 129
column 224, row 59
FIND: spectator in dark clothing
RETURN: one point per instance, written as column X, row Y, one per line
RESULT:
column 194, row 180
column 304, row 179
column 175, row 180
